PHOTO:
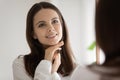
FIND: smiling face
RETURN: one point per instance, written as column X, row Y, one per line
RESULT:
column 47, row 27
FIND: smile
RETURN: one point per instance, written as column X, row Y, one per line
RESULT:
column 51, row 36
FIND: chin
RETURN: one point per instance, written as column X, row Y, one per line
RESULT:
column 53, row 43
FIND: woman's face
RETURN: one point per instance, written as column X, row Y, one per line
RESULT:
column 47, row 27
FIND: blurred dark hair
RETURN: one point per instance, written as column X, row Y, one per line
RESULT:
column 107, row 27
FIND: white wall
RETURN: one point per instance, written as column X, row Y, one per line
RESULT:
column 79, row 16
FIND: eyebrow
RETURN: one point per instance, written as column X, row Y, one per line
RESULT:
column 54, row 18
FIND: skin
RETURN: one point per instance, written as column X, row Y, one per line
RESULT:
column 48, row 31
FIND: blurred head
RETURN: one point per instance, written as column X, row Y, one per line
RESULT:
column 108, row 26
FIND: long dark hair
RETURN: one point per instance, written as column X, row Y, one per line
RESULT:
column 108, row 27
column 37, row 51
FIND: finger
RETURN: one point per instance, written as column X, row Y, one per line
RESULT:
column 57, row 59
column 49, row 52
column 56, row 51
column 57, row 47
column 59, row 44
column 56, row 63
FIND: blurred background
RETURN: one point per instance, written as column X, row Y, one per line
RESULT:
column 78, row 14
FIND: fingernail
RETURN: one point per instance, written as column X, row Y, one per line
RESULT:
column 60, row 48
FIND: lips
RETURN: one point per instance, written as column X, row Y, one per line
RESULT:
column 51, row 36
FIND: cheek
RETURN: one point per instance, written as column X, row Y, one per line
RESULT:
column 60, row 30
column 41, row 37
column 40, row 34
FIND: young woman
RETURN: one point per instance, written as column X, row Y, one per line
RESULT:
column 108, row 39
column 51, row 57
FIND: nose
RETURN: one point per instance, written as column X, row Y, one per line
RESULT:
column 51, row 28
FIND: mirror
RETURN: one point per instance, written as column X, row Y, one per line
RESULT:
column 78, row 14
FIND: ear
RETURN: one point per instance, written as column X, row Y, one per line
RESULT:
column 34, row 35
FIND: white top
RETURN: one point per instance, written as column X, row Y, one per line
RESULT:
column 42, row 72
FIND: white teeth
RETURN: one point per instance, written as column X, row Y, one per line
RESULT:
column 51, row 36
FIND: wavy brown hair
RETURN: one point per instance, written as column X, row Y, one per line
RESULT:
column 37, row 53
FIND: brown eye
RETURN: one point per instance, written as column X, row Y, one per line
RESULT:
column 55, row 21
column 41, row 25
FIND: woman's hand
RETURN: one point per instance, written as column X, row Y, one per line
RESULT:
column 56, row 62
column 52, row 55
